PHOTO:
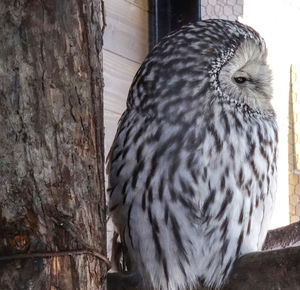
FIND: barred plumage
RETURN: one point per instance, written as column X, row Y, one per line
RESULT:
column 193, row 164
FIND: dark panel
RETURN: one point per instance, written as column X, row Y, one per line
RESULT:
column 168, row 15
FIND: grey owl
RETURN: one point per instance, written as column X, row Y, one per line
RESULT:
column 193, row 166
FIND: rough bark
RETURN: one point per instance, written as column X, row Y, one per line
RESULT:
column 51, row 144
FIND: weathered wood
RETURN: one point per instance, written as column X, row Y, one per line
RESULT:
column 51, row 144
column 118, row 73
column 127, row 26
column 283, row 237
column 267, row 270
column 111, row 123
column 143, row 4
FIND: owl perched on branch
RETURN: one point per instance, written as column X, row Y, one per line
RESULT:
column 193, row 165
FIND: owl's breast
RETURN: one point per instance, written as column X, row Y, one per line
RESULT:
column 239, row 162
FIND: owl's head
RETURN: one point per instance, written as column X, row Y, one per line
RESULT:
column 201, row 63
column 246, row 77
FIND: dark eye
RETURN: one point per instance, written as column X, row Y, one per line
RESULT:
column 240, row 80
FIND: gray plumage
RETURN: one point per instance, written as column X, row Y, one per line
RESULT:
column 193, row 165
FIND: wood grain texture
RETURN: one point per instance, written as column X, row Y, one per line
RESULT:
column 51, row 143
column 118, row 73
column 126, row 33
column 125, row 47
column 110, row 123
column 143, row 4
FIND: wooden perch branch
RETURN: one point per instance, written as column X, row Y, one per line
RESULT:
column 277, row 267
column 283, row 237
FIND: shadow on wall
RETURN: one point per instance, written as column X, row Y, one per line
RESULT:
column 224, row 9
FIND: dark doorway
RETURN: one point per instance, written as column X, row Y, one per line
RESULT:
column 168, row 15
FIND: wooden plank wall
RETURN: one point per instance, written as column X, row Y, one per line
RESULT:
column 125, row 47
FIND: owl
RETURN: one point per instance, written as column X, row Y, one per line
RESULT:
column 192, row 170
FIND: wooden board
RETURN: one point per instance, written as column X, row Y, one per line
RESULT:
column 126, row 33
column 118, row 73
column 143, row 4
column 110, row 127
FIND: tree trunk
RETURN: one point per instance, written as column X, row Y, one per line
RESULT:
column 51, row 145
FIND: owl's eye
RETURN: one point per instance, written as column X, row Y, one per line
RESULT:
column 240, row 80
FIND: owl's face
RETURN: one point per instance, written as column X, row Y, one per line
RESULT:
column 246, row 77
column 202, row 63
